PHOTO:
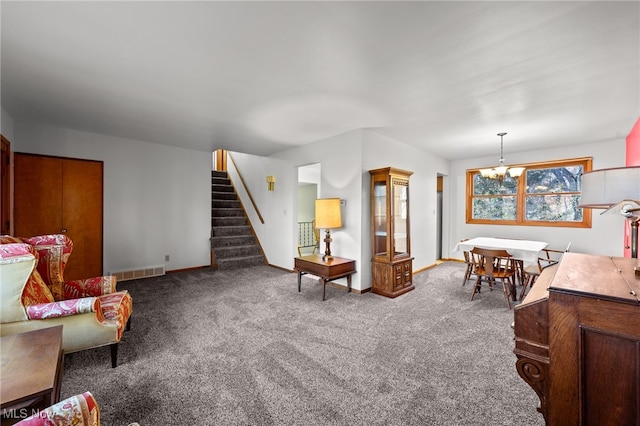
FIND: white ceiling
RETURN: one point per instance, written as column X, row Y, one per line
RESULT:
column 261, row 77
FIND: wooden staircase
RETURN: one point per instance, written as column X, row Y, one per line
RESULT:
column 233, row 242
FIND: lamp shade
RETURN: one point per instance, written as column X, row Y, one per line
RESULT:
column 516, row 172
column 603, row 188
column 328, row 213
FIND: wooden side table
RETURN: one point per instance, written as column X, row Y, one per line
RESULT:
column 332, row 269
column 30, row 369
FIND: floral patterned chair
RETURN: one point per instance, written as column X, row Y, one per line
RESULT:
column 79, row 410
column 91, row 311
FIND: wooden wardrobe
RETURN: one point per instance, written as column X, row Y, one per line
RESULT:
column 55, row 195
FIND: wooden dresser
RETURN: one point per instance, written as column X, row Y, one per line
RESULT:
column 577, row 340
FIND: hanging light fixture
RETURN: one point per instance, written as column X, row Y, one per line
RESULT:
column 500, row 172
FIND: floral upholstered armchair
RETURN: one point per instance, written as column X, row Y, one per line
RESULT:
column 91, row 311
column 78, row 410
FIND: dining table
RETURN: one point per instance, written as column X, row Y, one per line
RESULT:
column 525, row 252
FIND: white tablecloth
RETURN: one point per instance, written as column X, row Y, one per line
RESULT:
column 525, row 250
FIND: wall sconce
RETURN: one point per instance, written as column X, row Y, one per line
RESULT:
column 618, row 191
column 271, row 183
column 328, row 217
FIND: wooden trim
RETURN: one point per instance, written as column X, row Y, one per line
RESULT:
column 520, row 195
column 5, row 187
column 344, row 287
column 193, row 268
column 88, row 160
column 221, row 160
column 281, row 268
column 433, row 265
column 545, row 164
column 214, row 264
column 253, row 203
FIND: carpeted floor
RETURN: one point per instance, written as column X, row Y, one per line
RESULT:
column 245, row 348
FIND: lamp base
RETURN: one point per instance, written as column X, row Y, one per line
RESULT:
column 327, row 251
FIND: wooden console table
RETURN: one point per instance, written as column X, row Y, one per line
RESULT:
column 30, row 369
column 332, row 269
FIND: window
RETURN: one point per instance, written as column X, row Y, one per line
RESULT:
column 547, row 194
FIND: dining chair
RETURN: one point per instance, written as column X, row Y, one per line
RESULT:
column 533, row 271
column 467, row 260
column 491, row 265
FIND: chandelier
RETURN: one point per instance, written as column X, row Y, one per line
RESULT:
column 501, row 171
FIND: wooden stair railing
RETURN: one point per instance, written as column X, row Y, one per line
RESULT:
column 253, row 203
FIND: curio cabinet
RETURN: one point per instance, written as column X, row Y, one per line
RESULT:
column 391, row 262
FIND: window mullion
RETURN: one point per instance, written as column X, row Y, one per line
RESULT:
column 520, row 200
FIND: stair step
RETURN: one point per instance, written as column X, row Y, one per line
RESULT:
column 226, row 204
column 237, row 251
column 233, row 243
column 231, row 240
column 220, row 181
column 228, row 221
column 226, row 212
column 222, row 188
column 239, row 262
column 223, row 196
column 231, row 231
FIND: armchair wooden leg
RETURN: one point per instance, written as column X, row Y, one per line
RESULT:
column 114, row 355
column 128, row 326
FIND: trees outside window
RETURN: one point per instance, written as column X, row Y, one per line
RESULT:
column 547, row 194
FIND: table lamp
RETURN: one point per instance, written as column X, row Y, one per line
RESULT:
column 328, row 217
column 616, row 190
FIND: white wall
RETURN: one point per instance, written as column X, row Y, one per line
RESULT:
column 308, row 187
column 341, row 177
column 380, row 151
column 307, row 195
column 309, row 173
column 157, row 199
column 278, row 234
column 6, row 124
column 604, row 238
column 346, row 160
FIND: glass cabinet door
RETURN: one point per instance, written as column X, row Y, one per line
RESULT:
column 391, row 263
column 400, row 191
column 380, row 218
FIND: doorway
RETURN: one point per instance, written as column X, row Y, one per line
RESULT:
column 60, row 195
column 439, row 185
column 5, row 185
column 220, row 160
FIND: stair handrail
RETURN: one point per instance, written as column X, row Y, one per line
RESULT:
column 253, row 203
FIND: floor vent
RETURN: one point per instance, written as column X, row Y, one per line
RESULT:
column 134, row 274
